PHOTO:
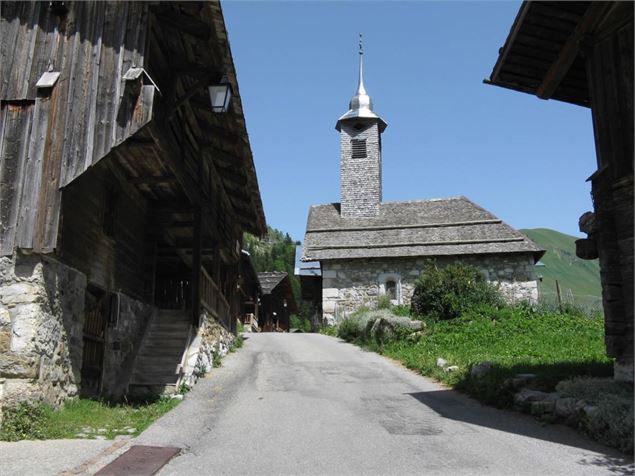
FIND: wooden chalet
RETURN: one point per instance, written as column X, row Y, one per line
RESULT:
column 119, row 176
column 582, row 53
column 250, row 292
column 277, row 302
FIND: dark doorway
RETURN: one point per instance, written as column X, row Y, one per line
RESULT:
column 95, row 321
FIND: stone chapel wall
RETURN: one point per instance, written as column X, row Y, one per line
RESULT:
column 348, row 284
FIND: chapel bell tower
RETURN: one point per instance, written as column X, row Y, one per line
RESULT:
column 360, row 153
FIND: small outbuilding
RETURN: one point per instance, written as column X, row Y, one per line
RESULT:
column 277, row 302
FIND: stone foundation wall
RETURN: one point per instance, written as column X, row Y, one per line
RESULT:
column 123, row 340
column 41, row 323
column 349, row 284
column 212, row 338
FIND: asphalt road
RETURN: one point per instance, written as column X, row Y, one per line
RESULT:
column 310, row 404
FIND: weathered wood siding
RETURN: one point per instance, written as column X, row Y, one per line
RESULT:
column 610, row 73
column 68, row 128
column 111, row 259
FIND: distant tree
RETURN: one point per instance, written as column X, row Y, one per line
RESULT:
column 275, row 252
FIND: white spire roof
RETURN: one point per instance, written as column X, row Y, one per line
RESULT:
column 361, row 105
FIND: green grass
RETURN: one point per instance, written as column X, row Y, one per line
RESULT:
column 516, row 340
column 582, row 277
column 90, row 418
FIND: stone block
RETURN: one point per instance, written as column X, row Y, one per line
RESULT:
column 541, row 407
column 26, row 321
column 330, row 293
column 565, row 407
column 329, row 307
column 329, row 273
column 5, row 317
column 19, row 293
column 5, row 341
column 24, row 366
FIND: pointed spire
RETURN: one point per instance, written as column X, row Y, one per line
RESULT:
column 361, row 90
column 361, row 105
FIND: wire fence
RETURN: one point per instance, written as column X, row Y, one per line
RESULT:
column 587, row 303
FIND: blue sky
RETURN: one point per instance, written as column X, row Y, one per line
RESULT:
column 524, row 159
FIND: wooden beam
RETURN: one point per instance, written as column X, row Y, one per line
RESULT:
column 184, row 23
column 569, row 52
column 192, row 90
column 175, row 162
column 152, row 180
column 196, row 268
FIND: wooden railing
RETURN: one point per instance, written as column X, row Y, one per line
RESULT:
column 250, row 322
column 213, row 300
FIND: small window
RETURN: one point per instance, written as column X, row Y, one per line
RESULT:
column 391, row 289
column 359, row 148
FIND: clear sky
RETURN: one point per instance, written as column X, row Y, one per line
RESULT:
column 524, row 159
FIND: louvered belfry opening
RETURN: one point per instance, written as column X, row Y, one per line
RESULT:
column 358, row 147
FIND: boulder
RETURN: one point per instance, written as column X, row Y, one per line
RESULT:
column 526, row 397
column 441, row 362
column 565, row 407
column 390, row 327
column 480, row 370
column 542, row 407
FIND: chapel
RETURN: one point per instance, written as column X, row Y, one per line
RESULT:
column 367, row 247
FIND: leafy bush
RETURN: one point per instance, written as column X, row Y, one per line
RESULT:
column 23, row 422
column 237, row 343
column 383, row 302
column 401, row 310
column 445, row 293
column 328, row 330
column 216, row 359
column 300, row 322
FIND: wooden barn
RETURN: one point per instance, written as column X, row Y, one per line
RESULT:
column 582, row 53
column 277, row 303
column 126, row 183
column 250, row 292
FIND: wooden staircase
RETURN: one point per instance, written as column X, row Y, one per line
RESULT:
column 158, row 366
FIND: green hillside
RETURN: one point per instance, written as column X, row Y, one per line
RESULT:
column 579, row 279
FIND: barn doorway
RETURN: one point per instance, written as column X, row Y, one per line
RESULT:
column 97, row 311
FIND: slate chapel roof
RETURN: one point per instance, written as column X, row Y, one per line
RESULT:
column 437, row 227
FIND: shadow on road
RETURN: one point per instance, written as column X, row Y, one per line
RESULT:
column 457, row 407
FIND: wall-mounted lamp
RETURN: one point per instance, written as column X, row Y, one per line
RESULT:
column 220, row 95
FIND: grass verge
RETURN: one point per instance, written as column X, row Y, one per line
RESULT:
column 552, row 346
column 88, row 419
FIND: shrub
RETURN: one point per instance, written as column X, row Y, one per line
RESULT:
column 401, row 310
column 444, row 293
column 300, row 322
column 383, row 302
column 23, row 422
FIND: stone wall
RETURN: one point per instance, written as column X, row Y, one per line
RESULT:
column 123, row 340
column 348, row 284
column 360, row 177
column 211, row 338
column 41, row 323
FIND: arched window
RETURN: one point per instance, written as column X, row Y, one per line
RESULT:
column 390, row 285
column 391, row 289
